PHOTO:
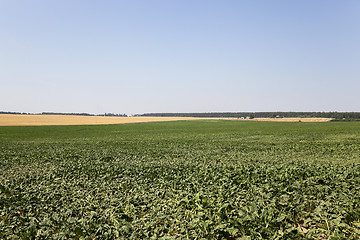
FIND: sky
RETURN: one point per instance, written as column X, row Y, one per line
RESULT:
column 143, row 56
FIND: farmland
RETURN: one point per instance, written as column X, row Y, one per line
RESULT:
column 210, row 179
column 51, row 120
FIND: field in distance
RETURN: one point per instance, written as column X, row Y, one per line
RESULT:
column 42, row 120
column 289, row 119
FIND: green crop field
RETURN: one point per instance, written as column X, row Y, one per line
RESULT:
column 202, row 179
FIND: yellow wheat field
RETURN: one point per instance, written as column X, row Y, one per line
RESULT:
column 40, row 120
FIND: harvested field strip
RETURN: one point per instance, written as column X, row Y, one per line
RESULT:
column 41, row 120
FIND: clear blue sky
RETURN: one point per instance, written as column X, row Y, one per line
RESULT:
column 179, row 56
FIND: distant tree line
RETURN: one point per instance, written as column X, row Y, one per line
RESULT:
column 86, row 114
column 335, row 115
column 113, row 115
column 3, row 112
column 77, row 114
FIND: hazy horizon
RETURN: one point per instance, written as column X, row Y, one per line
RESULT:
column 138, row 57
